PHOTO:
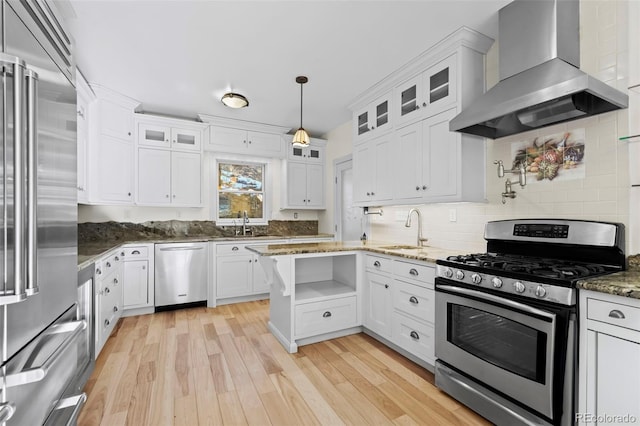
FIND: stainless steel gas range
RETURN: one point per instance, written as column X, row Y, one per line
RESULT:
column 505, row 337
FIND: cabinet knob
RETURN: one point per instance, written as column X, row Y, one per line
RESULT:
column 108, row 264
column 115, row 309
column 386, row 286
column 616, row 314
column 424, row 187
column 424, row 104
column 128, row 133
column 373, row 193
column 174, row 195
column 166, row 196
column 106, row 290
column 414, row 335
column 417, row 188
column 244, row 141
column 413, row 272
column 249, row 141
column 128, row 194
column 326, row 314
column 417, row 106
column 115, row 281
column 144, row 267
column 413, row 300
column 376, row 264
column 117, row 258
column 106, row 323
column 98, row 271
column 373, row 127
column 368, row 193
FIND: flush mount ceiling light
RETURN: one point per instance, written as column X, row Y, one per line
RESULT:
column 234, row 100
column 301, row 138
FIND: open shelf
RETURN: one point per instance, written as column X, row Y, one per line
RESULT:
column 321, row 290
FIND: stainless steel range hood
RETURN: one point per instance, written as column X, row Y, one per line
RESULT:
column 540, row 80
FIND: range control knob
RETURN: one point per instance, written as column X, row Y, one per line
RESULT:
column 518, row 287
column 476, row 278
column 497, row 282
column 460, row 275
column 448, row 273
column 541, row 291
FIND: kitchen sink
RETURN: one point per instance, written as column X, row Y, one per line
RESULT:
column 400, row 247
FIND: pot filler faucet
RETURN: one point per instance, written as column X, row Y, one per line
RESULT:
column 421, row 240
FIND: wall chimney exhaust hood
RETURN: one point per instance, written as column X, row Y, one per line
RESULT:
column 540, row 79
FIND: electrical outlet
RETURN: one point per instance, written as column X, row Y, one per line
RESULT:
column 295, row 215
column 453, row 215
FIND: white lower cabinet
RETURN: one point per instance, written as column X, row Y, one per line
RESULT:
column 325, row 316
column 138, row 285
column 609, row 363
column 237, row 272
column 108, row 296
column 399, row 304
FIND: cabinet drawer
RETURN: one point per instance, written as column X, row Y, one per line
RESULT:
column 378, row 264
column 111, row 263
column 414, row 300
column 231, row 249
column 414, row 271
column 614, row 313
column 133, row 253
column 326, row 316
column 413, row 336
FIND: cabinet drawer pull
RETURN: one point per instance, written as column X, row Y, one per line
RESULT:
column 413, row 300
column 386, row 286
column 235, row 248
column 108, row 264
column 326, row 314
column 376, row 264
column 616, row 314
column 413, row 272
column 414, row 335
column 106, row 323
column 115, row 281
column 115, row 309
column 137, row 251
column 106, row 290
column 116, row 258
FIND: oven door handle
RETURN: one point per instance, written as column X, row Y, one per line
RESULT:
column 497, row 299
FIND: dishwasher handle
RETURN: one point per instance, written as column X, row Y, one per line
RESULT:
column 181, row 248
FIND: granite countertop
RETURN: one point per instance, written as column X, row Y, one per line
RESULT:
column 90, row 252
column 426, row 254
column 626, row 283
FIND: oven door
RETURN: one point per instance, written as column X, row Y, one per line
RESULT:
column 504, row 344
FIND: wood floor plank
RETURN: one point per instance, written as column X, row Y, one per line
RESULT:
column 221, row 366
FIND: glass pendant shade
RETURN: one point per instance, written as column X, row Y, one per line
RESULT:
column 301, row 138
column 234, row 100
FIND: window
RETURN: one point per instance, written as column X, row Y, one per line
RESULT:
column 240, row 189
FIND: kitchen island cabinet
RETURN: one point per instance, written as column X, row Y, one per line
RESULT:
column 313, row 297
column 609, row 367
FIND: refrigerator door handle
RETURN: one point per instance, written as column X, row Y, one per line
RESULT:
column 6, row 411
column 32, row 182
column 36, row 374
column 17, row 69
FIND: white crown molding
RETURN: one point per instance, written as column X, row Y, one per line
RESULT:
column 242, row 124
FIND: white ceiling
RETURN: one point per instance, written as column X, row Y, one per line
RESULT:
column 178, row 57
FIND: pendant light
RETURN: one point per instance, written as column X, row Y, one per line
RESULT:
column 301, row 138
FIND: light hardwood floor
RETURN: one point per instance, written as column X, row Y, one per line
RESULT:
column 218, row 366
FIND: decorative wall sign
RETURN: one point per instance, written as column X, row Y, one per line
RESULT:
column 555, row 157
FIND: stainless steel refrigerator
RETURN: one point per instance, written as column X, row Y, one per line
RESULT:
column 43, row 339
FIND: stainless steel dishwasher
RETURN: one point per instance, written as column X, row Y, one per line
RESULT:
column 181, row 273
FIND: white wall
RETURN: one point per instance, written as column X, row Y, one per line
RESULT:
column 137, row 214
column 602, row 195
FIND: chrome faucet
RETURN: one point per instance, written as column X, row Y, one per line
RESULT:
column 245, row 220
column 421, row 240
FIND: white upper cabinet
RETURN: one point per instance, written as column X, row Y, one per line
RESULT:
column 427, row 93
column 303, row 177
column 372, row 119
column 244, row 137
column 372, row 176
column 84, row 98
column 186, row 178
column 169, row 133
column 419, row 159
column 110, row 153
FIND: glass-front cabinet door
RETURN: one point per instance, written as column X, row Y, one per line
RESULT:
column 186, row 139
column 373, row 118
column 439, row 86
column 154, row 135
column 407, row 100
